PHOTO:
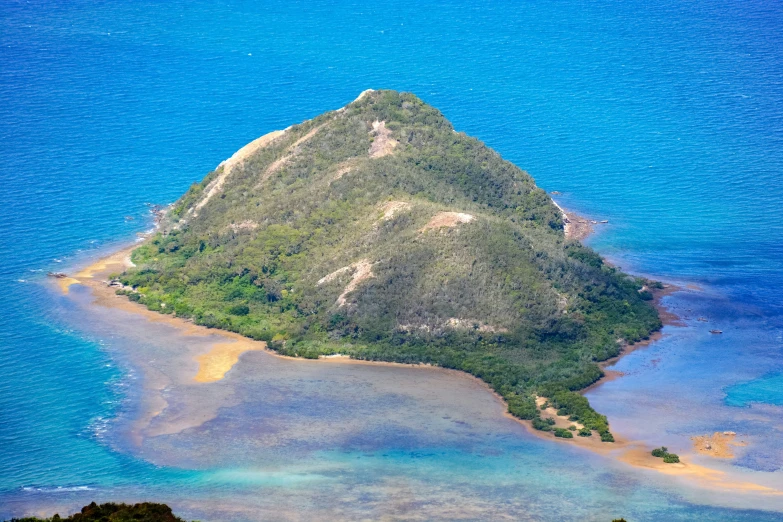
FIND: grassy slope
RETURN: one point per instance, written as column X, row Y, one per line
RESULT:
column 537, row 312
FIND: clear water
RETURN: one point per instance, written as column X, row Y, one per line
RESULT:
column 665, row 118
column 767, row 390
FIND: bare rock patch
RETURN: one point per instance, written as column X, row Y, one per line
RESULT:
column 230, row 164
column 243, row 225
column 383, row 144
column 362, row 270
column 447, row 219
column 391, row 208
column 289, row 154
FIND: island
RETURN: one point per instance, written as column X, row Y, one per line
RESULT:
column 380, row 233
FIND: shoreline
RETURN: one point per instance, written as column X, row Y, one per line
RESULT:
column 667, row 319
column 223, row 356
column 575, row 227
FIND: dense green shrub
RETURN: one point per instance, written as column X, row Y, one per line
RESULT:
column 663, row 452
column 578, row 408
column 522, row 407
column 239, row 310
column 111, row 512
column 659, row 452
column 585, row 432
column 541, row 425
column 563, row 433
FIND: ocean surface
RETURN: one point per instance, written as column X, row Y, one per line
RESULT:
column 665, row 118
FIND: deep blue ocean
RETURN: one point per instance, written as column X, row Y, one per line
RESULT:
column 663, row 117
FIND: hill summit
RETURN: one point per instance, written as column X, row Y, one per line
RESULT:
column 378, row 231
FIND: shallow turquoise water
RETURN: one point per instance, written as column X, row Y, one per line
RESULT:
column 767, row 390
column 664, row 118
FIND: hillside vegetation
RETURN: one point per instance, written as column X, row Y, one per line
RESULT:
column 379, row 232
column 111, row 512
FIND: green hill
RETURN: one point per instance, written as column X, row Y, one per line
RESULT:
column 379, row 232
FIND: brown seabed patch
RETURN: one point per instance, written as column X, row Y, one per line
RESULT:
column 64, row 283
column 214, row 364
column 718, row 445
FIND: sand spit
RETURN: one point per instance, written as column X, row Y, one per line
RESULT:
column 212, row 366
column 638, row 455
column 65, row 284
column 114, row 263
column 710, row 478
column 561, row 421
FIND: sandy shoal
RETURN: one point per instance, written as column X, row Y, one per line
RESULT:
column 719, row 445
